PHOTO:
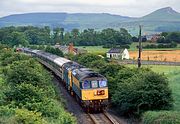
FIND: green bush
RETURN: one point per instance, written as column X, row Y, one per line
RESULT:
column 86, row 59
column 13, row 58
column 110, row 71
column 161, row 117
column 29, row 71
column 24, row 116
column 141, row 90
column 6, row 111
column 27, row 95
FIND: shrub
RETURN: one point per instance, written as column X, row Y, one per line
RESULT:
column 24, row 116
column 29, row 71
column 144, row 90
column 24, row 93
column 161, row 117
column 6, row 111
column 27, row 95
column 13, row 58
column 86, row 59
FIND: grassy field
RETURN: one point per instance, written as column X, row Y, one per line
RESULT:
column 173, row 74
column 94, row 49
column 170, row 54
column 101, row 50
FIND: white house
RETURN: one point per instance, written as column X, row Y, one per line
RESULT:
column 117, row 53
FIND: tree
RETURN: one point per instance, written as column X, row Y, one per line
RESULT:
column 62, row 33
column 87, row 59
column 75, row 33
column 56, row 32
column 144, row 90
column 17, row 73
column 135, row 39
column 174, row 36
column 55, row 51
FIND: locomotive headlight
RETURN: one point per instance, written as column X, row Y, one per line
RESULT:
column 95, row 93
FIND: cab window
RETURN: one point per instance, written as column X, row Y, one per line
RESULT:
column 86, row 84
column 102, row 83
column 94, row 84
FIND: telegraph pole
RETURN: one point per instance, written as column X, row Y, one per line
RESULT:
column 140, row 47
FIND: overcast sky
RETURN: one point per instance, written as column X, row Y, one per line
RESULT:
column 133, row 8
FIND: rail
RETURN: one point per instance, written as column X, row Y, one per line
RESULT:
column 102, row 118
column 144, row 62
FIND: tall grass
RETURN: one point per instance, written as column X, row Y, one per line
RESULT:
column 174, row 79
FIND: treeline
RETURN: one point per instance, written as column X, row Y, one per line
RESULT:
column 132, row 91
column 43, row 36
column 166, row 40
column 169, row 37
column 161, row 45
column 27, row 94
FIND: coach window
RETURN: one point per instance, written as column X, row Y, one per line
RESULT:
column 86, row 84
column 94, row 84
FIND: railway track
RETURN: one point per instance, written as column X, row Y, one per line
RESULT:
column 102, row 118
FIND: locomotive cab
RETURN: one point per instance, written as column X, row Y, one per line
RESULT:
column 93, row 89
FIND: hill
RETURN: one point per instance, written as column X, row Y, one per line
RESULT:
column 68, row 21
column 164, row 14
column 165, row 19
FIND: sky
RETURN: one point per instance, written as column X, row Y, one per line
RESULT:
column 132, row 8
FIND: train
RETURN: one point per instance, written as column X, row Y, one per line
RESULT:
column 87, row 86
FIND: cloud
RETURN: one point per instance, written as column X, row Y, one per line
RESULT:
column 120, row 7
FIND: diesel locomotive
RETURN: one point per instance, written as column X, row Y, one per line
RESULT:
column 90, row 88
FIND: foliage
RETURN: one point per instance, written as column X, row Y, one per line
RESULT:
column 86, row 59
column 44, row 36
column 25, row 116
column 9, row 58
column 161, row 117
column 143, row 90
column 170, row 45
column 55, row 51
column 6, row 111
column 27, row 71
column 27, row 94
column 132, row 91
column 23, row 94
column 135, row 39
column 111, row 70
column 169, row 37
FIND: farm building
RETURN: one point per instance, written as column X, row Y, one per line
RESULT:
column 117, row 53
column 153, row 37
column 70, row 49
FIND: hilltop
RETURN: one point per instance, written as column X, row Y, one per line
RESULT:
column 164, row 19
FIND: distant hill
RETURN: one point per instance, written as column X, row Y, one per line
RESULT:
column 165, row 19
column 68, row 21
column 164, row 14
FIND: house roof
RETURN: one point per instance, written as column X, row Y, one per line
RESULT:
column 115, row 50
